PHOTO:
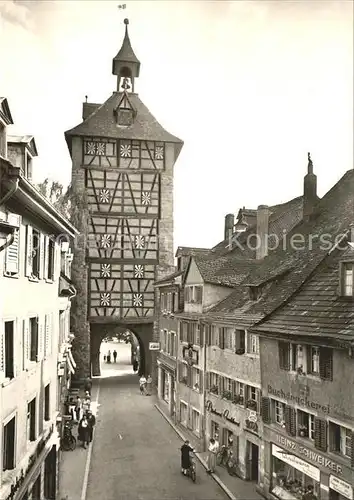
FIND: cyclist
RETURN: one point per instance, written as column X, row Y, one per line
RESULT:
column 186, row 448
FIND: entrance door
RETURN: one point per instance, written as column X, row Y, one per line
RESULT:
column 254, row 459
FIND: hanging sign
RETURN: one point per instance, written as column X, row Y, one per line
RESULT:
column 154, row 346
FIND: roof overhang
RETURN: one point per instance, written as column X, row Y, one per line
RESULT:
column 5, row 113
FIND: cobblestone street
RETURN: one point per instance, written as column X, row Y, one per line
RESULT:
column 135, row 453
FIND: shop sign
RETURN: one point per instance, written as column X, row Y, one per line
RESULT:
column 309, row 454
column 154, row 346
column 341, row 487
column 252, row 416
column 225, row 414
column 296, row 462
column 251, row 426
column 301, row 400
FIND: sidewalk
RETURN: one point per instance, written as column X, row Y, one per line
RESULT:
column 234, row 487
column 72, row 467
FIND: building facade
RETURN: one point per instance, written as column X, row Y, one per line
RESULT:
column 122, row 171
column 32, row 303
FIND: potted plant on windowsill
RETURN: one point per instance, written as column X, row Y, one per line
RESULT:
column 214, row 389
column 227, row 395
column 303, row 432
column 241, row 350
column 251, row 404
column 300, row 370
column 238, row 400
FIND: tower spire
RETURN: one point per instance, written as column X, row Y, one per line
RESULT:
column 126, row 66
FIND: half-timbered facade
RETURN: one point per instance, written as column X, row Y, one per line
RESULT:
column 123, row 168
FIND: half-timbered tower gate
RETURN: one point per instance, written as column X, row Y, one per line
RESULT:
column 122, row 182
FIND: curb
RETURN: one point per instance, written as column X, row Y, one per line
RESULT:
column 201, row 460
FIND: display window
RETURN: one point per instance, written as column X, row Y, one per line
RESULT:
column 290, row 483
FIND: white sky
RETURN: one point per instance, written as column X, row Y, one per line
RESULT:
column 250, row 86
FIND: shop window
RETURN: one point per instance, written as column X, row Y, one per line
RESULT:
column 9, row 445
column 291, row 483
column 305, row 424
column 340, row 439
column 195, row 421
column 214, row 383
column 252, row 344
column 184, row 413
column 214, row 430
column 279, row 412
column 31, row 420
column 196, row 379
column 166, row 386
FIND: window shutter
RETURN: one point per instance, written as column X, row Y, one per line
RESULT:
column 222, row 338
column 352, row 450
column 41, row 332
column 240, row 341
column 221, row 385
column 290, row 420
column 320, row 434
column 180, row 331
column 46, row 257
column 12, row 255
column 50, row 333
column 201, row 381
column 46, row 336
column 201, row 334
column 41, row 256
column 207, row 335
column 180, row 371
column 26, row 344
column 326, row 363
column 207, row 381
column 57, row 254
column 265, row 410
column 29, row 251
column 189, row 376
column 284, row 355
column 2, row 351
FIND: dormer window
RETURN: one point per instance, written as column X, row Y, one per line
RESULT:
column 347, row 279
column 194, row 294
column 254, row 292
column 28, row 166
column 124, row 112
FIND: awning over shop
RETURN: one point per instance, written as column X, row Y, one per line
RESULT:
column 71, row 357
column 70, row 366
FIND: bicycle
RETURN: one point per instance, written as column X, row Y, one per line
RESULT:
column 223, row 455
column 68, row 441
column 192, row 470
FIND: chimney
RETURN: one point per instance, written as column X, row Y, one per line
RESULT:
column 310, row 191
column 229, row 226
column 262, row 231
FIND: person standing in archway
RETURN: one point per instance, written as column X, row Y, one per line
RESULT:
column 148, row 385
column 115, row 356
column 142, row 385
column 135, row 365
column 109, row 356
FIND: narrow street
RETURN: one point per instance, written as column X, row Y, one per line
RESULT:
column 135, row 453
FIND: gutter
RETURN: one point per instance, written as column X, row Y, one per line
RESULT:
column 3, row 200
column 8, row 195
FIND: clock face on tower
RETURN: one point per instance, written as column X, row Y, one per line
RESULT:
column 122, row 179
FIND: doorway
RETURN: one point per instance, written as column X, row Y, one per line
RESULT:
column 253, row 461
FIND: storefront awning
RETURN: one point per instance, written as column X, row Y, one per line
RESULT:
column 70, row 366
column 71, row 357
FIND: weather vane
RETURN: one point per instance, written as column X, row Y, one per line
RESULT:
column 122, row 6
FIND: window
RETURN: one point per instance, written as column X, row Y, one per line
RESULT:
column 195, row 421
column 306, row 424
column 196, row 378
column 340, row 439
column 252, row 398
column 214, row 431
column 183, row 331
column 35, row 253
column 279, row 412
column 184, row 373
column 31, row 420
column 347, row 284
column 214, row 383
column 28, row 167
column 240, row 341
column 240, row 392
column 315, row 360
column 297, row 358
column 166, row 386
column 214, row 335
column 229, row 338
column 194, row 294
column 33, row 338
column 184, row 413
column 252, row 344
column 9, row 445
column 9, row 349
column 50, row 261
column 47, row 402
column 3, row 142
column 12, row 251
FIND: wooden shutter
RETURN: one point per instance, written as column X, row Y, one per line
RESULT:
column 221, row 385
column 320, row 434
column 207, row 335
column 290, row 420
column 26, row 344
column 46, row 257
column 29, row 251
column 222, row 338
column 201, row 381
column 180, row 324
column 201, row 334
column 189, row 376
column 240, row 341
column 199, row 294
column 2, row 351
column 12, row 255
column 46, row 336
column 41, row 332
column 284, row 355
column 57, row 256
column 207, row 381
column 326, row 363
column 41, row 256
column 265, row 410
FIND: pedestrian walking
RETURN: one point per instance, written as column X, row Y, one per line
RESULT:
column 91, row 419
column 78, row 408
column 88, row 385
column 142, row 384
column 114, row 355
column 104, row 358
column 86, row 404
column 108, row 356
column 148, row 385
column 83, row 431
column 135, row 366
column 212, row 451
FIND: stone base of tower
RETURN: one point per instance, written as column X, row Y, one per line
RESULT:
column 81, row 351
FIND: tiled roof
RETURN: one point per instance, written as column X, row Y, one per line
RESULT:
column 190, row 251
column 317, row 309
column 169, row 277
column 24, row 139
column 290, row 268
column 102, row 123
column 126, row 52
column 283, row 217
column 227, row 271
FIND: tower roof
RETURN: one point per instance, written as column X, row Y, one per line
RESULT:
column 126, row 53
